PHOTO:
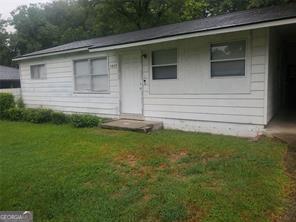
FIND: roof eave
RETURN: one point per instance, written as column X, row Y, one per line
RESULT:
column 263, row 24
column 198, row 34
column 50, row 54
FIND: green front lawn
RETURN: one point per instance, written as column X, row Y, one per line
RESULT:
column 67, row 174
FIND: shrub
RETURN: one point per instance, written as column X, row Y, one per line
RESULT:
column 37, row 115
column 20, row 103
column 59, row 118
column 6, row 102
column 85, row 120
column 15, row 114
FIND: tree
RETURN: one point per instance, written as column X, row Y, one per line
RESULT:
column 6, row 50
column 41, row 26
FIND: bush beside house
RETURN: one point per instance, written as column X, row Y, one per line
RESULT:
column 9, row 110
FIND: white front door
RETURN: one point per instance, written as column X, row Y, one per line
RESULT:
column 131, row 83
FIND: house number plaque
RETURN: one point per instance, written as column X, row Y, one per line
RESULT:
column 113, row 65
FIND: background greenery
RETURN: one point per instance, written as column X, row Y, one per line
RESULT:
column 40, row 26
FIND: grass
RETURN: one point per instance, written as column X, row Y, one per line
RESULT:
column 67, row 174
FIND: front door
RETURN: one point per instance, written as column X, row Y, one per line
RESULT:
column 131, row 83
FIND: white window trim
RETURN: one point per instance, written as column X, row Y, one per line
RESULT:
column 164, row 65
column 229, row 60
column 45, row 71
column 91, row 75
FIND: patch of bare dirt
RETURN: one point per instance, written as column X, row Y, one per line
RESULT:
column 196, row 213
column 174, row 157
column 127, row 159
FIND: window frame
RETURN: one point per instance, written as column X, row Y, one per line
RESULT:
column 45, row 71
column 229, row 60
column 164, row 65
column 90, row 71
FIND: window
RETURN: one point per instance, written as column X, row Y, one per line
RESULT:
column 164, row 64
column 38, row 72
column 91, row 75
column 228, row 59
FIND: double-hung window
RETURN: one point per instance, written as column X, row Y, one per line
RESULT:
column 38, row 71
column 164, row 64
column 91, row 75
column 228, row 59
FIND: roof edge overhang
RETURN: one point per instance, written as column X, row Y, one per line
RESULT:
column 170, row 38
column 50, row 54
column 197, row 34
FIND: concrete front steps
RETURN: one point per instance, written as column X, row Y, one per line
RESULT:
column 133, row 125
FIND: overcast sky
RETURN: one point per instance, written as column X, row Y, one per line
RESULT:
column 6, row 6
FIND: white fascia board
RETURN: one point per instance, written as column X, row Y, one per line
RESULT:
column 50, row 54
column 198, row 34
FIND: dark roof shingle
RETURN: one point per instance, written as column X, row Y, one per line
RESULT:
column 234, row 19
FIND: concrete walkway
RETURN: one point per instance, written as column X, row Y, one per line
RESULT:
column 283, row 127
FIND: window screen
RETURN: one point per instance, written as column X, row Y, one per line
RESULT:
column 228, row 59
column 38, row 72
column 164, row 64
column 91, row 75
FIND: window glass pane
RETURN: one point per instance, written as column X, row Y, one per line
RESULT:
column 34, row 72
column 164, row 72
column 42, row 72
column 38, row 72
column 168, row 56
column 81, row 67
column 228, row 68
column 228, row 50
column 99, row 66
column 100, row 83
column 83, row 83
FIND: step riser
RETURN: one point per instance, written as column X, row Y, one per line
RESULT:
column 133, row 125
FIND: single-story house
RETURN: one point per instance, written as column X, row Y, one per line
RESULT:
column 9, row 77
column 225, row 74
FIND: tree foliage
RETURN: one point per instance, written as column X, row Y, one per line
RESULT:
column 41, row 26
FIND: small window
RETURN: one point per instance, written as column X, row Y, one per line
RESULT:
column 91, row 75
column 38, row 72
column 164, row 64
column 228, row 59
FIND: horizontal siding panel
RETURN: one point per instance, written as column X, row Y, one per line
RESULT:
column 259, row 77
column 207, row 117
column 258, row 69
column 79, row 109
column 259, row 51
column 257, row 86
column 252, row 95
column 74, row 99
column 258, row 60
column 206, row 110
column 38, row 84
column 58, row 77
column 259, row 41
column 64, row 94
column 72, row 104
column 206, row 102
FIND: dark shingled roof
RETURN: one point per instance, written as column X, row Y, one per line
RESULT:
column 9, row 73
column 234, row 19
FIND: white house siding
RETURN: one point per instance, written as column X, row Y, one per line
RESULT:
column 197, row 102
column 57, row 90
